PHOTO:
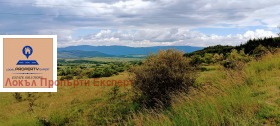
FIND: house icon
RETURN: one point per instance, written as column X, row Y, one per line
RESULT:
column 27, row 51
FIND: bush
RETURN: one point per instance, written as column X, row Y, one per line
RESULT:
column 236, row 60
column 162, row 75
column 96, row 73
column 196, row 60
column 260, row 51
column 107, row 72
column 217, row 58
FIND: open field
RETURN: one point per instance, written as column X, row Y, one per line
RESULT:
column 222, row 97
column 108, row 59
column 81, row 102
column 225, row 97
column 224, row 87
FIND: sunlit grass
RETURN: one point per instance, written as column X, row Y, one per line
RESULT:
column 226, row 97
column 220, row 97
column 69, row 101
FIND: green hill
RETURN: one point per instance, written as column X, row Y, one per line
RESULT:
column 73, row 54
column 250, row 96
column 248, row 47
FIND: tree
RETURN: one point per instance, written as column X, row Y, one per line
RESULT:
column 160, row 76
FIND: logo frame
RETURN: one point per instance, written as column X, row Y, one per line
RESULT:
column 51, row 89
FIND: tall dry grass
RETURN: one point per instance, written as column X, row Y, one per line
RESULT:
column 226, row 97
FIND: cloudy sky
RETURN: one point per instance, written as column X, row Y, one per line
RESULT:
column 142, row 23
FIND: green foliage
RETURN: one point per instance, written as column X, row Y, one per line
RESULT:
column 266, row 42
column 97, row 73
column 247, row 95
column 236, row 60
column 55, row 119
column 107, row 72
column 269, row 113
column 226, row 99
column 260, row 51
column 161, row 75
column 80, row 69
column 217, row 57
column 278, row 101
column 249, row 47
column 196, row 60
column 219, row 49
column 208, row 58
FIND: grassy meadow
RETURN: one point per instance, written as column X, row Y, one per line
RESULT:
column 245, row 93
column 80, row 105
column 222, row 97
column 225, row 97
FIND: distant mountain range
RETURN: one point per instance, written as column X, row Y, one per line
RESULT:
column 116, row 51
column 80, row 54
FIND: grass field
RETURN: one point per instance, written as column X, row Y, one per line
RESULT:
column 69, row 104
column 225, row 97
column 109, row 59
column 221, row 97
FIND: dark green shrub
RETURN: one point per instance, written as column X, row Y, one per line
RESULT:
column 96, row 73
column 162, row 75
column 196, row 60
column 107, row 72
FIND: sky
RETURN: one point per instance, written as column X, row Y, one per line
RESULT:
column 142, row 23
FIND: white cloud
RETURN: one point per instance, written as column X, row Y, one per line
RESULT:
column 64, row 35
column 87, row 8
column 165, row 37
column 169, row 12
column 259, row 33
column 140, row 22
